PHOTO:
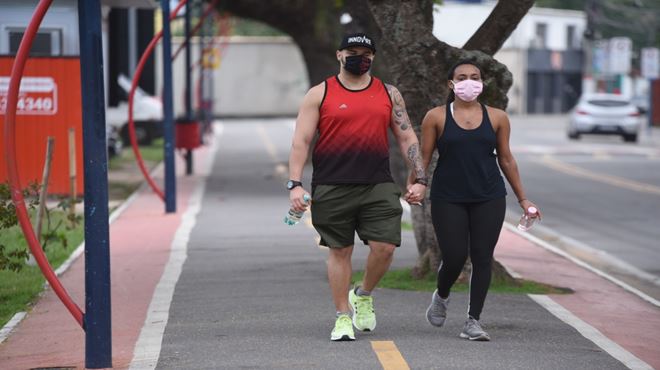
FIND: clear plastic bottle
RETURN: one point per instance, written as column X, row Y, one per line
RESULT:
column 527, row 219
column 292, row 217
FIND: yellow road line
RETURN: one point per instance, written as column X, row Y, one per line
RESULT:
column 620, row 182
column 389, row 356
column 602, row 155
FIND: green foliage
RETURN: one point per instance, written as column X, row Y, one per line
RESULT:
column 19, row 289
column 11, row 258
column 638, row 20
column 14, row 253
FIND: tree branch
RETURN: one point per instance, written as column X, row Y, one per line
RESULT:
column 499, row 25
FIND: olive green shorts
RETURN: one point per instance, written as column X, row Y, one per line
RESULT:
column 372, row 210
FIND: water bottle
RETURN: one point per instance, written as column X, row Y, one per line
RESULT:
column 292, row 217
column 527, row 219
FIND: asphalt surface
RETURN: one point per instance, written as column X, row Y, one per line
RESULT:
column 599, row 191
column 253, row 292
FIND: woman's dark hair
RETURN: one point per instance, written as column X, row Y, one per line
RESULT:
column 450, row 75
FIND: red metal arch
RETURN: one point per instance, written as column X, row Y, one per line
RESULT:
column 12, row 166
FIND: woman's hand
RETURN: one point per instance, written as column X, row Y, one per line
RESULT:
column 415, row 194
column 525, row 204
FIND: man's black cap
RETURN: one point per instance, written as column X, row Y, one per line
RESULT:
column 358, row 39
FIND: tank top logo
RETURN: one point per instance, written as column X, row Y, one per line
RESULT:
column 343, row 106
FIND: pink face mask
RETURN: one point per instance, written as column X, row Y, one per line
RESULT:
column 468, row 90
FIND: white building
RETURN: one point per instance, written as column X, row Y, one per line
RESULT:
column 543, row 53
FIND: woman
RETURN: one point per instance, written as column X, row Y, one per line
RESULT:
column 468, row 193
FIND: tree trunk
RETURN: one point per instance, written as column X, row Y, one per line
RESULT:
column 504, row 18
column 418, row 64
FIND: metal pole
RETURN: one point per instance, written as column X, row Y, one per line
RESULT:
column 97, row 324
column 201, row 114
column 189, row 152
column 188, row 63
column 168, row 113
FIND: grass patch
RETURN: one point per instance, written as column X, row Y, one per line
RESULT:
column 402, row 279
column 153, row 153
column 122, row 190
column 406, row 226
column 123, row 186
column 18, row 290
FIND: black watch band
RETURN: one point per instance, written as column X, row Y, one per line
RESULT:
column 291, row 184
column 422, row 180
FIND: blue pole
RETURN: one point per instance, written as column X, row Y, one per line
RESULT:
column 168, row 113
column 98, row 328
column 189, row 152
column 188, row 63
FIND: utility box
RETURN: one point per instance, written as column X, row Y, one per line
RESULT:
column 49, row 104
column 188, row 134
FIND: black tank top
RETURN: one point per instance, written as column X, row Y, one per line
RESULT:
column 467, row 169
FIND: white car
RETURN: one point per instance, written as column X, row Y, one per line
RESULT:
column 147, row 114
column 608, row 114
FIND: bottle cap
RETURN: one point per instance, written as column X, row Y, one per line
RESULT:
column 306, row 197
column 532, row 210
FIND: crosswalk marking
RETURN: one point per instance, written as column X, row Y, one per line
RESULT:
column 389, row 356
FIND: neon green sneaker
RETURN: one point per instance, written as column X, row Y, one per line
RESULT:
column 364, row 318
column 343, row 330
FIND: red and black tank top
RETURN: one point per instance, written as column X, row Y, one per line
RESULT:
column 352, row 147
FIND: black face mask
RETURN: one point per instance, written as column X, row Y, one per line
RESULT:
column 357, row 64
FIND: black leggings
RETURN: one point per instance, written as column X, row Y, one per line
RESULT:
column 463, row 228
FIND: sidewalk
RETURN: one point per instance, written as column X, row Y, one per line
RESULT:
column 252, row 292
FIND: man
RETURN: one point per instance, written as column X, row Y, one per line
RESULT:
column 352, row 188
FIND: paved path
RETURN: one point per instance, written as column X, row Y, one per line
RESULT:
column 252, row 292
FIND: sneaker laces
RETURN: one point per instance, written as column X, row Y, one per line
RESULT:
column 475, row 323
column 364, row 304
column 343, row 321
column 438, row 307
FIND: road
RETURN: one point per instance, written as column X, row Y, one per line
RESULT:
column 597, row 195
column 253, row 292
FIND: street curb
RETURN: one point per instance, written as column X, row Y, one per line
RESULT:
column 569, row 245
column 591, row 333
column 551, row 248
column 7, row 329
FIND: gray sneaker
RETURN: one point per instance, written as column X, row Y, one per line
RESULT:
column 473, row 331
column 437, row 311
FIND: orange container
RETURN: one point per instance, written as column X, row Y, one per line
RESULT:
column 49, row 104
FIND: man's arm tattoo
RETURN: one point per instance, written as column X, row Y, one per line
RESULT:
column 416, row 160
column 399, row 113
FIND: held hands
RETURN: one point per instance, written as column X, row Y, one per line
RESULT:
column 525, row 204
column 296, row 197
column 415, row 194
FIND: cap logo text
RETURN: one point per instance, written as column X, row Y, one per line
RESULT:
column 361, row 39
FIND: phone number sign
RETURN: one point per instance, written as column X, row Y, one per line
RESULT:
column 37, row 96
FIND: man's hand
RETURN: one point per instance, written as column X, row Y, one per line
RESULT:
column 296, row 196
column 415, row 194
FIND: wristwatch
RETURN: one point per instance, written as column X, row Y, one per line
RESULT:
column 292, row 184
column 422, row 180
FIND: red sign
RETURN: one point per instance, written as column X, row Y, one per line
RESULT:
column 49, row 104
column 37, row 96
